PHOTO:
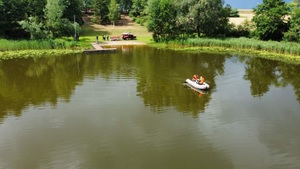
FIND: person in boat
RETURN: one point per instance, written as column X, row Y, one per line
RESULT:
column 202, row 80
column 195, row 78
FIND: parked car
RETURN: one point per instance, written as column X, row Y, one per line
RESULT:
column 128, row 36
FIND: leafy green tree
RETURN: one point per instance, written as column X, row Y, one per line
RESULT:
column 138, row 7
column 73, row 8
column 125, row 5
column 207, row 17
column 184, row 21
column 162, row 20
column 12, row 11
column 55, row 23
column 294, row 32
column 53, row 14
column 101, row 11
column 138, row 11
column 30, row 18
column 35, row 8
column 114, row 13
column 1, row 18
column 270, row 20
column 34, row 28
column 87, row 4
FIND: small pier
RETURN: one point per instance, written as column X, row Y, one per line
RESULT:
column 99, row 49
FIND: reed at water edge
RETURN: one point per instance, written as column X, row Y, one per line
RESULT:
column 244, row 43
column 9, row 45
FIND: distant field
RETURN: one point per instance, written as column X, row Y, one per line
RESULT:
column 244, row 14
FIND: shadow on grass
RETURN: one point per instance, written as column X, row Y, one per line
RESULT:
column 88, row 31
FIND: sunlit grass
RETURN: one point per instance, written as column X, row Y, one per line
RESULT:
column 245, row 43
column 36, row 53
column 6, row 45
column 282, row 51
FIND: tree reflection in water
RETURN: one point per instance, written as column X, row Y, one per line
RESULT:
column 159, row 75
column 264, row 73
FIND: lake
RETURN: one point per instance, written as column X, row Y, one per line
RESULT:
column 131, row 109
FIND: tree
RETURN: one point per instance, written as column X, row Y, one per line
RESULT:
column 270, row 20
column 87, row 4
column 138, row 11
column 35, row 8
column 12, row 11
column 55, row 23
column 207, row 17
column 138, row 7
column 72, row 8
column 34, row 28
column 293, row 34
column 125, row 5
column 101, row 11
column 114, row 13
column 184, row 21
column 162, row 19
column 2, row 24
column 53, row 14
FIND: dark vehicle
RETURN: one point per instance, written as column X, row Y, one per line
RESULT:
column 128, row 36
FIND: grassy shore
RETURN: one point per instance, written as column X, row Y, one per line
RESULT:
column 36, row 48
column 10, row 45
column 36, row 53
column 283, row 51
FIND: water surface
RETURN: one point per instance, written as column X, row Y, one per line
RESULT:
column 130, row 109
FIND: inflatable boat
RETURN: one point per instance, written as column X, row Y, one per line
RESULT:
column 196, row 85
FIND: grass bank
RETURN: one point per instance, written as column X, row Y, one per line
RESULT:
column 244, row 43
column 36, row 48
column 10, row 45
column 283, row 51
column 36, row 53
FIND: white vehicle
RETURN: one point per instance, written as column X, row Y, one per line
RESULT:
column 196, row 85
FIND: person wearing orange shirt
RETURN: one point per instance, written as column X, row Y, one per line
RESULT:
column 202, row 80
column 195, row 77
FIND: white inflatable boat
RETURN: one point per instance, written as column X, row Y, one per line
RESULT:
column 196, row 85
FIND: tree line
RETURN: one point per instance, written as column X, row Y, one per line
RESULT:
column 48, row 19
column 274, row 20
column 39, row 19
column 167, row 19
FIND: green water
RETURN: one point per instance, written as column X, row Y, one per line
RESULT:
column 131, row 109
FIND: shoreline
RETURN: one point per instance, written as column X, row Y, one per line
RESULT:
column 121, row 43
column 288, row 58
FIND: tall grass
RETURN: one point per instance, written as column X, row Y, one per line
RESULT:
column 6, row 45
column 244, row 43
